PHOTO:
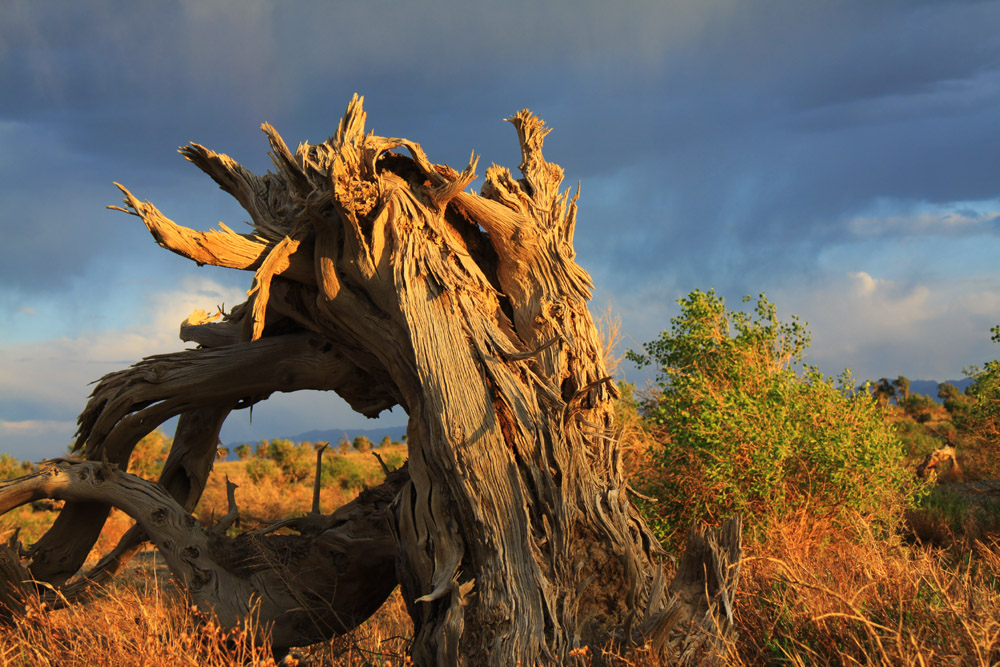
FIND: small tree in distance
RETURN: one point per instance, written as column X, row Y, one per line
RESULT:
column 948, row 392
column 884, row 391
column 902, row 385
column 742, row 432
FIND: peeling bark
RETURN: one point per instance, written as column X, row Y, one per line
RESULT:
column 378, row 276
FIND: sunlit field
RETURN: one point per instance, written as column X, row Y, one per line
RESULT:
column 812, row 592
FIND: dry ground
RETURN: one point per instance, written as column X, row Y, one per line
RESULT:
column 809, row 595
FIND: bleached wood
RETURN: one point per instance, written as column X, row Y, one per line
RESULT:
column 219, row 248
column 300, row 589
column 516, row 540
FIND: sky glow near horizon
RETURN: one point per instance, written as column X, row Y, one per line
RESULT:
column 843, row 158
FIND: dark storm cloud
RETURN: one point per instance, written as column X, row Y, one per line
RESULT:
column 786, row 146
column 719, row 135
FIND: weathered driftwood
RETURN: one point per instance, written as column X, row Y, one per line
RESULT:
column 378, row 276
column 300, row 588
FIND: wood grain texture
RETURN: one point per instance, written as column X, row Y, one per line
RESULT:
column 302, row 589
column 379, row 276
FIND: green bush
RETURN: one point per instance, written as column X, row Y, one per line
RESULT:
column 394, row 460
column 348, row 472
column 296, row 461
column 362, row 444
column 982, row 414
column 976, row 417
column 918, row 405
column 10, row 467
column 150, row 454
column 917, row 440
column 259, row 469
column 741, row 432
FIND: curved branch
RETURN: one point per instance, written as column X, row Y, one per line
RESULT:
column 159, row 387
column 260, row 196
column 62, row 550
column 128, row 404
column 204, row 329
column 219, row 248
column 304, row 589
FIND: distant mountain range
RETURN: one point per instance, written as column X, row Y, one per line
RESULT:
column 930, row 387
column 334, row 435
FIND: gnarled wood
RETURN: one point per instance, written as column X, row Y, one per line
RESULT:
column 63, row 549
column 378, row 276
column 218, row 248
column 303, row 589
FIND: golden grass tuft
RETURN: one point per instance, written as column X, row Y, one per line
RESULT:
column 811, row 593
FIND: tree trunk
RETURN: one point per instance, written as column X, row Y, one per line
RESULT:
column 378, row 276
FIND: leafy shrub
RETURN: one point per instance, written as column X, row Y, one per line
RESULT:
column 919, row 407
column 917, row 441
column 983, row 411
column 259, row 469
column 362, row 444
column 347, row 471
column 976, row 415
column 296, row 461
column 262, row 450
column 10, row 467
column 394, row 460
column 150, row 454
column 741, row 432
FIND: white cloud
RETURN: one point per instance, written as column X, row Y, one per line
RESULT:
column 956, row 219
column 883, row 328
column 34, row 426
column 863, row 283
column 50, row 378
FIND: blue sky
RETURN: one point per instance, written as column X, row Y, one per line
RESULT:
column 843, row 157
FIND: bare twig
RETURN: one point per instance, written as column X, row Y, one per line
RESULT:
column 319, row 472
column 385, row 468
column 233, row 515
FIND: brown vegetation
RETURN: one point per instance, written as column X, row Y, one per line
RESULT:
column 378, row 276
column 510, row 530
column 810, row 594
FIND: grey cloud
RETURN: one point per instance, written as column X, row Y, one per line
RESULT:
column 718, row 143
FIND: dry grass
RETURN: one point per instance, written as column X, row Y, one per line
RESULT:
column 143, row 617
column 137, row 616
column 810, row 594
column 265, row 501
